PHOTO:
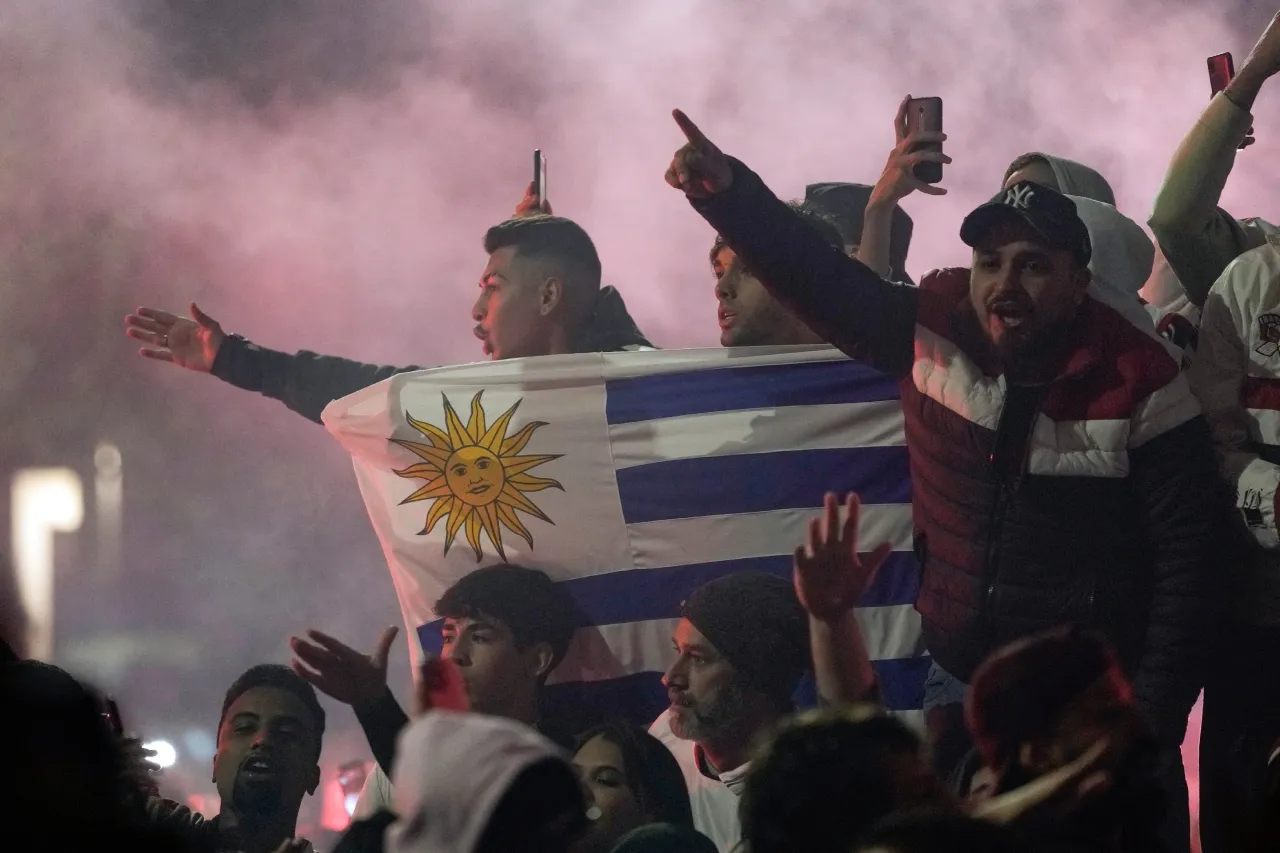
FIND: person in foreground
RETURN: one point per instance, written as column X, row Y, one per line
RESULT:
column 468, row 783
column 1037, row 418
column 267, row 760
column 1045, row 701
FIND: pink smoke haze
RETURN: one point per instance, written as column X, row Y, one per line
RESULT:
column 351, row 221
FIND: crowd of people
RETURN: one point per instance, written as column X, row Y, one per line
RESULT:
column 1092, row 421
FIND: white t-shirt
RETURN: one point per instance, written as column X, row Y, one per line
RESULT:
column 714, row 801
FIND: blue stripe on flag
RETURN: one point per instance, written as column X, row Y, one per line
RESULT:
column 638, row 595
column 759, row 482
column 902, row 682
column 697, row 392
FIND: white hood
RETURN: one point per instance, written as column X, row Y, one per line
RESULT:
column 451, row 771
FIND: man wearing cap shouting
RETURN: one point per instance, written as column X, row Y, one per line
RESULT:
column 1061, row 470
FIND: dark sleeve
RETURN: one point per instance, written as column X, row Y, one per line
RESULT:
column 1186, row 509
column 841, row 299
column 196, row 833
column 382, row 722
column 304, row 381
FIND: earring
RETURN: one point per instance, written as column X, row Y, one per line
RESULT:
column 594, row 813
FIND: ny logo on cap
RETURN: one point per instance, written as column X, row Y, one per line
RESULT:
column 1019, row 197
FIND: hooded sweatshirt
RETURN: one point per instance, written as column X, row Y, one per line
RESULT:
column 1121, row 260
column 1074, row 178
column 451, row 772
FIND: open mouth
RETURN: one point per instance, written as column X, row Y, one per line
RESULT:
column 259, row 767
column 726, row 318
column 1011, row 315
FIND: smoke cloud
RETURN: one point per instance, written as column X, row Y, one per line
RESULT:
column 319, row 175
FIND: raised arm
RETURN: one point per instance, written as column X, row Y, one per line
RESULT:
column 1197, row 237
column 839, row 298
column 304, row 381
column 896, row 183
column 830, row 577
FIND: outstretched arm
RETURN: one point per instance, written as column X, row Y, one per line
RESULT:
column 305, row 381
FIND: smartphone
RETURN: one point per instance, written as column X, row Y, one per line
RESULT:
column 926, row 114
column 1221, row 69
column 539, row 177
column 113, row 718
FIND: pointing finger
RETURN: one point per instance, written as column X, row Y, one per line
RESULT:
column 691, row 131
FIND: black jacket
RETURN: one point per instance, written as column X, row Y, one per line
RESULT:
column 306, row 382
column 1091, row 499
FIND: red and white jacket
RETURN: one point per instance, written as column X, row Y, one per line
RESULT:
column 1236, row 375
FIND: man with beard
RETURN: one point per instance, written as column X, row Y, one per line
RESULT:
column 267, row 760
column 742, row 644
column 741, row 649
column 1061, row 471
column 1043, row 702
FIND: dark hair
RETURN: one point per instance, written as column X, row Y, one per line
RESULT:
column 1020, row 692
column 552, row 237
column 931, row 831
column 822, row 782
column 535, row 608
column 542, row 812
column 814, row 218
column 281, row 678
column 1023, row 161
column 653, row 774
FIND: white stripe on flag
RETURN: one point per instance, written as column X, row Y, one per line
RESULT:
column 712, row 538
column 613, row 651
column 819, row 427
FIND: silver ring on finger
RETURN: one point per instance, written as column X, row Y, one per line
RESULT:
column 164, row 340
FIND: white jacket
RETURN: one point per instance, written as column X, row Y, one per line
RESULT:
column 1236, row 375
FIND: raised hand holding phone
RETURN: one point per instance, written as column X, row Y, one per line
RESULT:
column 1222, row 69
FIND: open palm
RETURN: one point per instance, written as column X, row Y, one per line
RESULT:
column 830, row 575
column 192, row 343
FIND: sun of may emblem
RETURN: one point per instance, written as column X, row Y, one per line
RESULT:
column 475, row 478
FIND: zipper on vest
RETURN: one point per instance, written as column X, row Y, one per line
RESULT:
column 1025, row 403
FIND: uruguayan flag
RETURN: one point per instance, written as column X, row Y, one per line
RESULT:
column 633, row 478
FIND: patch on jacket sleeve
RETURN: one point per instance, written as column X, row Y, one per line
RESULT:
column 1268, row 335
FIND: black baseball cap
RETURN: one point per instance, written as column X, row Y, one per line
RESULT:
column 1048, row 212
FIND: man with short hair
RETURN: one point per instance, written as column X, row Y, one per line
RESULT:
column 1040, row 422
column 747, row 314
column 540, row 294
column 267, row 760
column 505, row 627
